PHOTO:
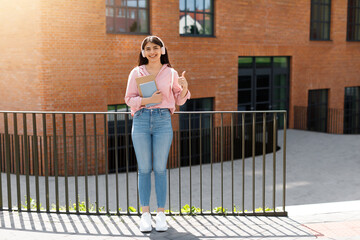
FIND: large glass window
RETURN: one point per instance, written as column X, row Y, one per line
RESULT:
column 127, row 16
column 263, row 84
column 353, row 22
column 320, row 20
column 317, row 110
column 352, row 110
column 196, row 17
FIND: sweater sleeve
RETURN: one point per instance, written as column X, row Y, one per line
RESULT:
column 177, row 91
column 132, row 97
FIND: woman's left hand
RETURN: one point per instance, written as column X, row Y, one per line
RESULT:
column 182, row 81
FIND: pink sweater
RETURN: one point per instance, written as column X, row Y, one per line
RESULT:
column 163, row 82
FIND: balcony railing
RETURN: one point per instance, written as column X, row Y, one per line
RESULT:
column 221, row 162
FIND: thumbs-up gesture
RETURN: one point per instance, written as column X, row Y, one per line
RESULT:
column 182, row 81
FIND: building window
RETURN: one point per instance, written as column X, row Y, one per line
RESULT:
column 263, row 84
column 320, row 20
column 196, row 18
column 127, row 16
column 317, row 110
column 353, row 22
column 352, row 110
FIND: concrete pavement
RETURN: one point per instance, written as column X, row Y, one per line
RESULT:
column 325, row 221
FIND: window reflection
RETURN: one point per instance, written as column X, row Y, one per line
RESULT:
column 190, row 5
column 196, row 17
column 127, row 16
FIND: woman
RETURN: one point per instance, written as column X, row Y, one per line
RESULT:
column 152, row 130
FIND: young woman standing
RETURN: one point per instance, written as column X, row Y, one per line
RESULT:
column 152, row 130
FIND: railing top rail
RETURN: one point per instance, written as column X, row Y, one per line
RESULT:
column 182, row 112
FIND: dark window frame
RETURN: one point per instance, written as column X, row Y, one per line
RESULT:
column 315, row 120
column 351, row 114
column 274, row 70
column 352, row 25
column 137, row 8
column 257, row 67
column 320, row 23
column 211, row 13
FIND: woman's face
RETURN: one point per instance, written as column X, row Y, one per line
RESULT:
column 152, row 52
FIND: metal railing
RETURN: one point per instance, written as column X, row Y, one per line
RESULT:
column 334, row 121
column 75, row 147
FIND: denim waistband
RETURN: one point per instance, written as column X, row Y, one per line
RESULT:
column 154, row 109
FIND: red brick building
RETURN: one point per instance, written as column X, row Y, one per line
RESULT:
column 67, row 55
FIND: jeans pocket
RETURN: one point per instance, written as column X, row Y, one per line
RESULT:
column 138, row 113
column 165, row 113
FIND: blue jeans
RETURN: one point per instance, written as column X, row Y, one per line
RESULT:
column 152, row 136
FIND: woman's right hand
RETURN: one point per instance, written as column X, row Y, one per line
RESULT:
column 156, row 97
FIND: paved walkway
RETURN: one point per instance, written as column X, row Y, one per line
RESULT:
column 324, row 221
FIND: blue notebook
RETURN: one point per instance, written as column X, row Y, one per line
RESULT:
column 147, row 90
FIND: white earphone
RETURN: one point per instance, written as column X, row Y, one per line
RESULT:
column 162, row 48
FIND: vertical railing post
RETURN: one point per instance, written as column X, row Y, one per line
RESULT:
column 253, row 161
column 190, row 162
column 284, row 161
column 36, row 162
column 169, row 182
column 17, row 160
column 243, row 160
column 211, row 163
column 56, row 163
column 232, row 162
column 75, row 166
column 127, row 160
column 179, row 156
column 46, row 162
column 27, row 163
column 274, row 159
column 65, row 165
column 222, row 163
column 86, row 165
column 96, row 168
column 264, row 152
column 106, row 166
column 201, row 210
column 7, row 158
column 116, row 164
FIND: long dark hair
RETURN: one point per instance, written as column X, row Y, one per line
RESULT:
column 164, row 59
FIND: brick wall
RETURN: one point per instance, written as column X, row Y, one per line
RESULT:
column 61, row 52
column 20, row 58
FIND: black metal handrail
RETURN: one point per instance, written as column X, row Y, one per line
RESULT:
column 62, row 140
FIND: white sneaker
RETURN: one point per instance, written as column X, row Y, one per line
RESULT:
column 161, row 224
column 145, row 222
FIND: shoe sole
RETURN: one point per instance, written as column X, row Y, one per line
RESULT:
column 146, row 230
column 162, row 229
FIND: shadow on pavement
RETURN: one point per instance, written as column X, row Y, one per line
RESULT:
column 180, row 227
